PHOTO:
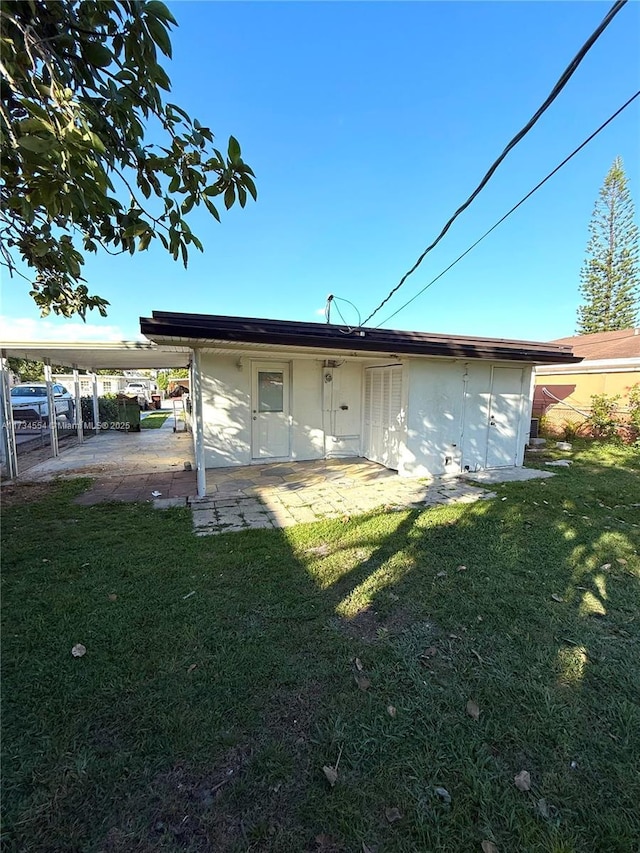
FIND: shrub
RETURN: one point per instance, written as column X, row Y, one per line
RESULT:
column 107, row 409
column 570, row 430
column 634, row 408
column 602, row 418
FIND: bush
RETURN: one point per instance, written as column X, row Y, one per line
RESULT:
column 601, row 419
column 634, row 408
column 107, row 409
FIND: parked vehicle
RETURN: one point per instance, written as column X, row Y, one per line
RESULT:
column 29, row 402
column 139, row 390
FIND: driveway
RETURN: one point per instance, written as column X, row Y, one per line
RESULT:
column 113, row 453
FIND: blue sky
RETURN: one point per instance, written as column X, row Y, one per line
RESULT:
column 367, row 124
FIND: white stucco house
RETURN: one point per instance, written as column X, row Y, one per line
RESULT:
column 421, row 404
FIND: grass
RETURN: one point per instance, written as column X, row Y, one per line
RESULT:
column 202, row 722
column 154, row 420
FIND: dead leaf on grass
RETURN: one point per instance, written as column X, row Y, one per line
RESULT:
column 368, row 848
column 321, row 550
column 327, row 843
column 362, row 681
column 489, row 846
column 392, row 814
column 191, row 668
column 621, row 561
column 461, row 569
column 444, row 795
column 391, row 711
column 346, row 519
column 441, row 575
column 358, row 664
column 605, row 567
column 78, row 650
column 112, row 596
column 331, row 774
column 473, row 710
column 557, row 597
column 429, row 653
column 522, row 780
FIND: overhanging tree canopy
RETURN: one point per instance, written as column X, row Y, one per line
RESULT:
column 80, row 87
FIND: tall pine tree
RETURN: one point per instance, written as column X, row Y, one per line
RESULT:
column 609, row 280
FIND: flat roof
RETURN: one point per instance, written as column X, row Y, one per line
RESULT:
column 93, row 355
column 212, row 330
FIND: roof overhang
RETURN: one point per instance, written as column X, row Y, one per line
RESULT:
column 110, row 355
column 599, row 365
column 216, row 332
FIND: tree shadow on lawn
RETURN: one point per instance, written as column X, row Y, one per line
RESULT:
column 134, row 748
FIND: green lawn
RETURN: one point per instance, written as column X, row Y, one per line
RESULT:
column 202, row 722
column 154, row 420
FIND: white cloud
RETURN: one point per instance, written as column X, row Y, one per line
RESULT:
column 320, row 312
column 71, row 331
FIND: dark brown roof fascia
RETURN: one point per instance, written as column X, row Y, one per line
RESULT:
column 326, row 336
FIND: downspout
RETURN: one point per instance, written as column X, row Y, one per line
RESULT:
column 463, row 413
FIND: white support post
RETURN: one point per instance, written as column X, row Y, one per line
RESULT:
column 197, row 415
column 78, row 404
column 9, row 447
column 51, row 400
column 96, row 408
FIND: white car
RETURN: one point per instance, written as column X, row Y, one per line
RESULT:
column 29, row 402
column 139, row 390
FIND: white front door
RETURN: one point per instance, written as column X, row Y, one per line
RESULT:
column 505, row 410
column 383, row 415
column 270, row 424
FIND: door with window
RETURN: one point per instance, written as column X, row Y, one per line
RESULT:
column 270, row 421
column 505, row 407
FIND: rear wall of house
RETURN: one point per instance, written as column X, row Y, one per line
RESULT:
column 326, row 416
column 448, row 423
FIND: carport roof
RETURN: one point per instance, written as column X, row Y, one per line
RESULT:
column 109, row 355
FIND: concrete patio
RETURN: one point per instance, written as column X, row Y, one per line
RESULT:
column 268, row 496
column 117, row 454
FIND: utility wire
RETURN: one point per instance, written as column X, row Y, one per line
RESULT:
column 559, row 86
column 340, row 299
column 515, row 207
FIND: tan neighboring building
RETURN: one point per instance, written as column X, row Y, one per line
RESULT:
column 610, row 365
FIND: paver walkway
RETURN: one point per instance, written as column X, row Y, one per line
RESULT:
column 264, row 496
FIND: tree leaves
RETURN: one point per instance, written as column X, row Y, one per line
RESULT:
column 96, row 54
column 610, row 277
column 74, row 150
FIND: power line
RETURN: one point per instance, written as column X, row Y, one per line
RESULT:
column 559, row 86
column 515, row 207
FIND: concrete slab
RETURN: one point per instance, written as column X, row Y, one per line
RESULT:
column 113, row 453
column 507, row 475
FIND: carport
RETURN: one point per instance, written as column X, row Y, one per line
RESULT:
column 90, row 357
